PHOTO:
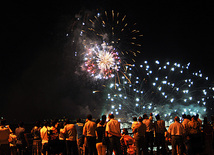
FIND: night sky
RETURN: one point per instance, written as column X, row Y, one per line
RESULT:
column 38, row 79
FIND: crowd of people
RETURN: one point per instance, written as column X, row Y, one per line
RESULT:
column 187, row 136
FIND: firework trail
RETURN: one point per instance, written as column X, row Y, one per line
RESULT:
column 114, row 29
column 168, row 89
column 107, row 43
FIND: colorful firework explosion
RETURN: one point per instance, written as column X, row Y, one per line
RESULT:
column 93, row 31
column 113, row 28
column 102, row 61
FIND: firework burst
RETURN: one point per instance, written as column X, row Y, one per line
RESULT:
column 107, row 43
column 101, row 61
column 168, row 89
column 113, row 28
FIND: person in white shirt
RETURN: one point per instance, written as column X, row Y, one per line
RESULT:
column 44, row 137
column 114, row 134
column 176, row 132
column 89, row 132
column 70, row 135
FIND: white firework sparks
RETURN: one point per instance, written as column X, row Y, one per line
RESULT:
column 166, row 88
column 122, row 39
column 105, row 61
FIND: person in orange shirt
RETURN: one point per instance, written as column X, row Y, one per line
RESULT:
column 114, row 134
column 4, row 136
column 176, row 132
column 89, row 132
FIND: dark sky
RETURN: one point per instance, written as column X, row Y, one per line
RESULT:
column 37, row 73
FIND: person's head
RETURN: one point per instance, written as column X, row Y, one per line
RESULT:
column 184, row 116
column 145, row 116
column 89, row 117
column 140, row 119
column 125, row 131
column 157, row 117
column 111, row 116
column 197, row 116
column 134, row 118
column 194, row 118
column 176, row 119
column 60, row 126
column 103, row 117
column 151, row 114
column 205, row 120
column 97, row 121
column 103, row 121
column 189, row 117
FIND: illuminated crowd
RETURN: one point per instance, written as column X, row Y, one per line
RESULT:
column 187, row 135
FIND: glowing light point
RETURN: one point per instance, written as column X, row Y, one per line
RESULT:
column 157, row 62
column 164, row 82
column 159, row 88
